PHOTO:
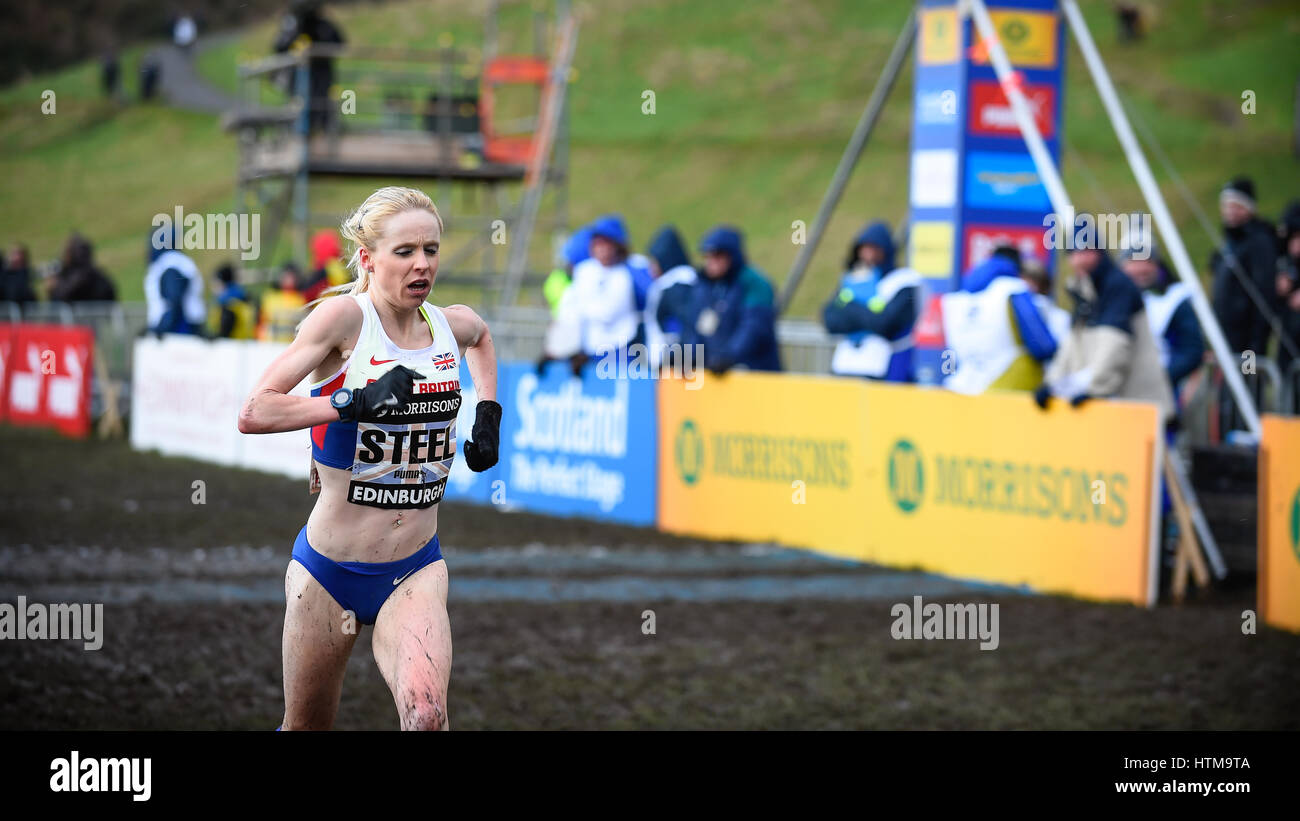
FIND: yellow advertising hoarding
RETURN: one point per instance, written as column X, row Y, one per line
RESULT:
column 1278, row 579
column 764, row 457
column 987, row 487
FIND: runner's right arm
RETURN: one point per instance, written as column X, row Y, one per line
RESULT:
column 269, row 408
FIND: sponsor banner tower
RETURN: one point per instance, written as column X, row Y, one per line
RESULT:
column 973, row 184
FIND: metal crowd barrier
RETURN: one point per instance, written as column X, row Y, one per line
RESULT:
column 1209, row 413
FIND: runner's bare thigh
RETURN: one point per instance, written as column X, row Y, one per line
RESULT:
column 412, row 647
column 316, row 648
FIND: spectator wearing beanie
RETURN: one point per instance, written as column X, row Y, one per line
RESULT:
column 1250, row 246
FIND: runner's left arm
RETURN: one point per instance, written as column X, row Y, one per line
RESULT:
column 473, row 335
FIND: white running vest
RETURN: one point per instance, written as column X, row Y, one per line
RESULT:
column 404, row 460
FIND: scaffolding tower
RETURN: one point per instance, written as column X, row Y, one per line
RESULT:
column 490, row 131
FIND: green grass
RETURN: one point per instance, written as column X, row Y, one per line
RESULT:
column 753, row 105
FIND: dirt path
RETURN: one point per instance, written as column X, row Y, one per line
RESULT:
column 547, row 618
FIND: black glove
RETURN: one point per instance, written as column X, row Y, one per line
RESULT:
column 1041, row 394
column 374, row 401
column 577, row 362
column 1080, row 399
column 718, row 364
column 481, row 452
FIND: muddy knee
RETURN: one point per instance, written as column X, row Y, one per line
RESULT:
column 425, row 710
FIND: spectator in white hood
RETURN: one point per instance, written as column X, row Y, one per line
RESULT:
column 601, row 302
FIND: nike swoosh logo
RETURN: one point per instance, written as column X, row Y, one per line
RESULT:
column 381, row 361
column 399, row 579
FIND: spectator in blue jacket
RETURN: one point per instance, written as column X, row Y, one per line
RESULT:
column 875, row 306
column 671, row 268
column 731, row 309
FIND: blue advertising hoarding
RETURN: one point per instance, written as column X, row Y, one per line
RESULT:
column 569, row 446
column 463, row 484
column 580, row 447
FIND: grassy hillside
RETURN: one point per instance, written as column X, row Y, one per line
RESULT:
column 754, row 102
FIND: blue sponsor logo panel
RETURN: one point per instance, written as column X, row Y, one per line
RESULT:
column 1004, row 181
column 579, row 447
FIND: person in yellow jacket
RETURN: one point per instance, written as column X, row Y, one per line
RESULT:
column 281, row 308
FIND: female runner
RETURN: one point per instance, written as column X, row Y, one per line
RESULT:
column 382, row 412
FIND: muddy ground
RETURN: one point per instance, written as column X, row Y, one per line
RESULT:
column 547, row 626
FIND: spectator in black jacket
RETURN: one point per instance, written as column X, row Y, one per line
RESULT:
column 16, row 277
column 1249, row 247
column 79, row 279
column 304, row 24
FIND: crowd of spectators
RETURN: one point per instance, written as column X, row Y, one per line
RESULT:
column 175, row 290
column 606, row 299
column 74, row 277
column 1128, row 331
column 1129, row 319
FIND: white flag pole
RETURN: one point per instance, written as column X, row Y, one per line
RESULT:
column 1228, row 361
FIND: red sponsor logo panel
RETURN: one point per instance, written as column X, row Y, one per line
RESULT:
column 991, row 115
column 47, row 371
column 981, row 240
